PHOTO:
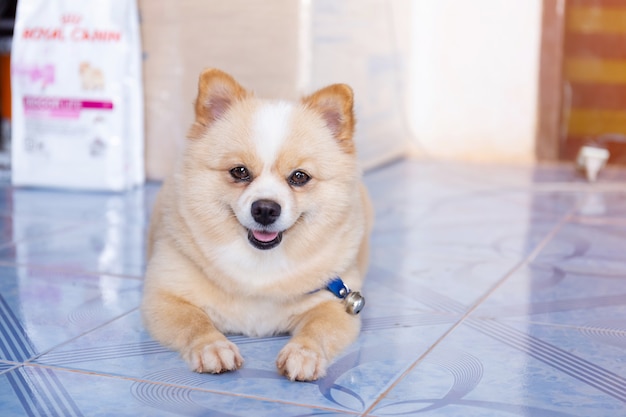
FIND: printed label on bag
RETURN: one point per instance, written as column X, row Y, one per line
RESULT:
column 61, row 107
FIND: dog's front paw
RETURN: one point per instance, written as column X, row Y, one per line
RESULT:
column 300, row 363
column 216, row 357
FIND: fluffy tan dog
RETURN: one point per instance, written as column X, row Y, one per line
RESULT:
column 91, row 77
column 265, row 208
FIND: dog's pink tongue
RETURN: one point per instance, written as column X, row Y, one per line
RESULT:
column 264, row 236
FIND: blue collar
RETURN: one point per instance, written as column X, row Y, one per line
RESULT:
column 337, row 287
column 353, row 300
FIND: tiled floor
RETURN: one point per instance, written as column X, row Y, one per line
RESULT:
column 493, row 291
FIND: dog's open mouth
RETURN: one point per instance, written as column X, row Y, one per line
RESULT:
column 264, row 240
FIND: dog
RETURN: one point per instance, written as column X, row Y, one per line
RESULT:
column 91, row 78
column 265, row 208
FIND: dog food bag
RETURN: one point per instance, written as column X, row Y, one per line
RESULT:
column 77, row 95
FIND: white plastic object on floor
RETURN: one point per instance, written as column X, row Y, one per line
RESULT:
column 592, row 159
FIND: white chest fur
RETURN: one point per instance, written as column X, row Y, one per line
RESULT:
column 255, row 319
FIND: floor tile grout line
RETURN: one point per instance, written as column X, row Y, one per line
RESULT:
column 576, row 187
column 11, row 366
column 192, row 388
column 30, row 361
column 61, row 358
column 599, row 220
column 525, row 261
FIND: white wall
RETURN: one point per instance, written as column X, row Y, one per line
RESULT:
column 473, row 77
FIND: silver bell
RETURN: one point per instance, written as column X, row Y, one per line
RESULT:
column 354, row 302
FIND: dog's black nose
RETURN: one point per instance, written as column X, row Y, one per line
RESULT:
column 265, row 211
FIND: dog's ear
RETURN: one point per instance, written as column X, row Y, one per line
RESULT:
column 335, row 104
column 217, row 91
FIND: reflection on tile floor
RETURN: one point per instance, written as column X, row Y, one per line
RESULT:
column 493, row 291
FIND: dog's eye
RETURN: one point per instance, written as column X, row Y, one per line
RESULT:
column 240, row 174
column 298, row 178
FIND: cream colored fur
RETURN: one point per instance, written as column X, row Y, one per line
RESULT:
column 205, row 279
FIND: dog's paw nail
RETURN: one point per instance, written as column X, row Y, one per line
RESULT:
column 299, row 363
column 215, row 358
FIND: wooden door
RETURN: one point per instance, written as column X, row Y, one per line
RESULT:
column 593, row 100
